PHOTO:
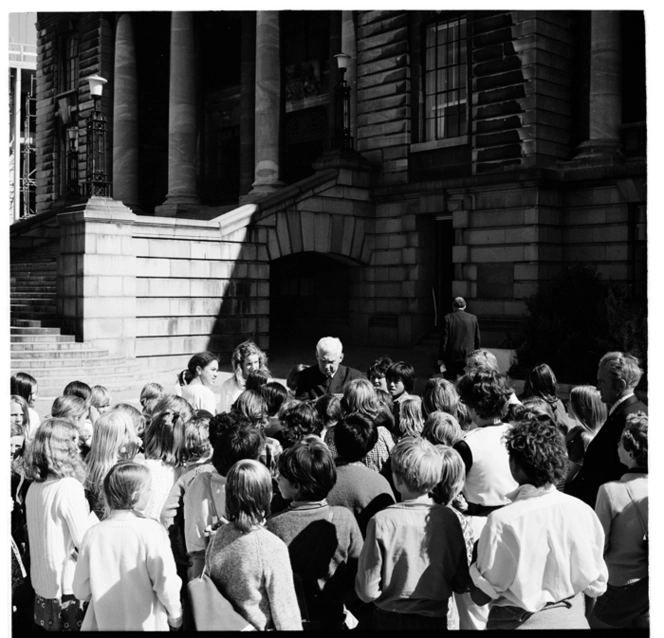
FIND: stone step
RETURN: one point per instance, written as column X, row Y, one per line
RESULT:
column 25, row 287
column 33, row 307
column 84, row 351
column 52, row 344
column 44, row 278
column 35, row 328
column 44, row 316
column 42, row 321
column 59, row 363
column 41, row 340
column 32, row 297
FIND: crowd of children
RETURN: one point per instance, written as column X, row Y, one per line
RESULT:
column 371, row 509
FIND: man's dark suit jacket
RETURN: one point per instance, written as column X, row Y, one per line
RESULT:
column 312, row 383
column 600, row 462
column 460, row 336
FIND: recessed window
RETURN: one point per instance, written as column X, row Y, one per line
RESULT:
column 446, row 80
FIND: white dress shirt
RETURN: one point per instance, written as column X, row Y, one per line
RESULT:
column 542, row 548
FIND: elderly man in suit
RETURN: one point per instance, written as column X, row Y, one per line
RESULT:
column 329, row 376
column 617, row 376
column 460, row 336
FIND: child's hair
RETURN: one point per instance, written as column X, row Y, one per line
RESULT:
column 221, row 422
column 537, row 408
column 635, row 437
column 123, row 485
column 328, row 409
column 538, row 449
column 174, row 406
column 578, row 433
column 416, row 463
column 359, row 395
column 248, row 494
column 274, row 394
column 378, row 368
column 100, row 397
column 309, row 464
column 540, row 382
column 293, row 375
column 200, row 359
column 251, row 405
column 298, row 421
column 452, row 475
column 69, row 407
column 24, row 385
column 17, row 398
column 135, row 415
column 196, row 440
column 482, row 359
column 150, row 392
column 256, row 379
column 235, row 443
column 439, row 395
column 114, row 439
column 355, row 436
column 404, row 372
column 78, row 389
column 442, row 428
column 585, row 405
column 164, row 437
column 55, row 451
column 410, row 417
column 485, row 391
column 463, row 417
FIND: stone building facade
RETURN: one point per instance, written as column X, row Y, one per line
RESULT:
column 490, row 149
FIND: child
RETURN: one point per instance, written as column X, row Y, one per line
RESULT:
column 113, row 440
column 324, row 541
column 75, row 410
column 100, row 401
column 198, row 379
column 126, row 569
column 414, row 554
column 377, row 370
column 410, row 417
column 442, row 428
column 400, row 379
column 205, row 496
column 151, row 391
column 25, row 385
column 249, row 564
column 57, row 515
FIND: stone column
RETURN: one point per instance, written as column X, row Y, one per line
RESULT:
column 605, row 86
column 247, row 101
column 182, row 130
column 125, row 116
column 268, row 104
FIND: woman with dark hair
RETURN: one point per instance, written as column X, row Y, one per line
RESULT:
column 197, row 380
column 622, row 508
column 541, row 383
column 539, row 554
column 246, row 358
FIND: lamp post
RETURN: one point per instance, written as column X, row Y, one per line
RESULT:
column 95, row 177
column 72, row 161
column 343, row 138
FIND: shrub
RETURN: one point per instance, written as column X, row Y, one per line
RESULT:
column 574, row 318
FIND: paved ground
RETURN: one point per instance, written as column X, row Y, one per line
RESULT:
column 283, row 358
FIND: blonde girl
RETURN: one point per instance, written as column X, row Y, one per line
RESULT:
column 114, row 439
column 57, row 515
column 246, row 358
column 410, row 416
column 126, row 569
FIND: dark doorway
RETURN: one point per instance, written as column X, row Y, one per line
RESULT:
column 444, row 268
column 309, row 298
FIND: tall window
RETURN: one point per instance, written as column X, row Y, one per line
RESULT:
column 70, row 63
column 446, row 80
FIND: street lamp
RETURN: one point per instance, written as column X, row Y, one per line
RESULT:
column 95, row 177
column 343, row 138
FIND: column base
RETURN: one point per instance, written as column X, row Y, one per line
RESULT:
column 592, row 153
column 176, row 209
column 261, row 191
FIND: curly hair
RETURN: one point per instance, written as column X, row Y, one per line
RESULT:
column 241, row 352
column 635, row 437
column 298, row 421
column 538, row 448
column 252, row 405
column 55, row 451
column 485, row 391
column 196, row 440
column 439, row 395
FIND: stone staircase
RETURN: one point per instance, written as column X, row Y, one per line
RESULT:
column 38, row 345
